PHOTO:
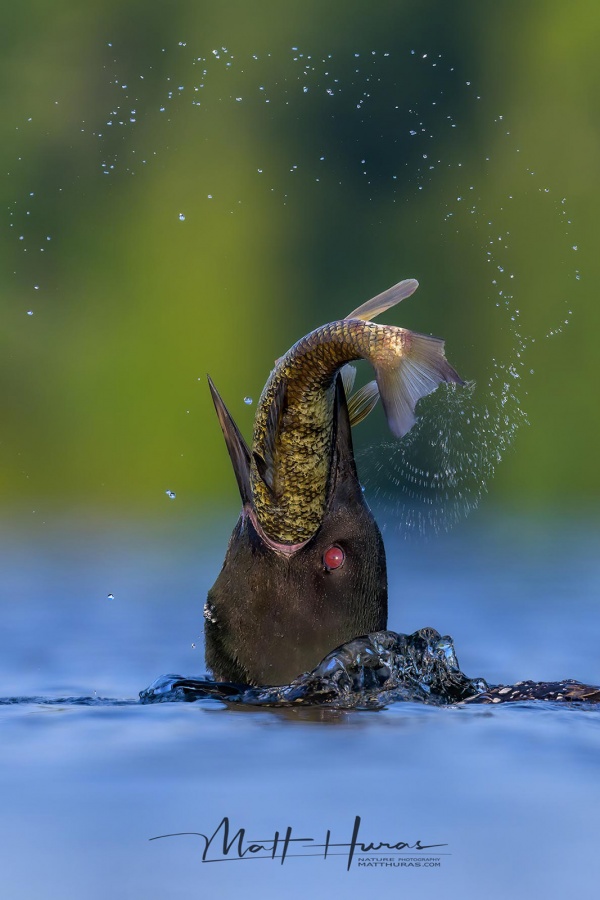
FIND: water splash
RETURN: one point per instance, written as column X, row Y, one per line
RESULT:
column 439, row 473
column 372, row 672
column 420, row 162
column 443, row 469
column 369, row 673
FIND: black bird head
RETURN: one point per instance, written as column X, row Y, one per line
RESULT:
column 275, row 611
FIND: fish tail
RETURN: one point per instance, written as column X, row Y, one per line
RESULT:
column 419, row 369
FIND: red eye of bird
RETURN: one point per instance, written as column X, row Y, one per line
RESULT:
column 334, row 557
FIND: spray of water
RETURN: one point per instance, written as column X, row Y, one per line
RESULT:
column 443, row 468
column 439, row 473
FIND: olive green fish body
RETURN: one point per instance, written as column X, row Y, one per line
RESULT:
column 294, row 423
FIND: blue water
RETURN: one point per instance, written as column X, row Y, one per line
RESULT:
column 514, row 791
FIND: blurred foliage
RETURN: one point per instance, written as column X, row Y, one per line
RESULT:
column 119, row 117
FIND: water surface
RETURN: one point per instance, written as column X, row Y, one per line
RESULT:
column 84, row 788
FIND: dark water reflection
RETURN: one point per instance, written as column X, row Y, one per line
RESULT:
column 84, row 787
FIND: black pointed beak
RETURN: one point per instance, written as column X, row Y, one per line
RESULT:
column 236, row 445
column 343, row 477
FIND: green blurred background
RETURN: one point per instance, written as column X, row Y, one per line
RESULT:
column 304, row 193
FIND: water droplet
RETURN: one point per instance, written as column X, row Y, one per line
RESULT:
column 171, row 494
column 248, row 401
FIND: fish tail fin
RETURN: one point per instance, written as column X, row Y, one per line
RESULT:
column 421, row 367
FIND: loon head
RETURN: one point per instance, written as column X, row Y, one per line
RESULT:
column 276, row 609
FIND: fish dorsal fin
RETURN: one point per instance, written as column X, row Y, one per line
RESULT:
column 267, row 465
column 236, row 445
column 362, row 402
column 421, row 367
column 348, row 373
column 381, row 302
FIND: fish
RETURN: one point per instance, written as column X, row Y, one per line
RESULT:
column 305, row 568
column 293, row 425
